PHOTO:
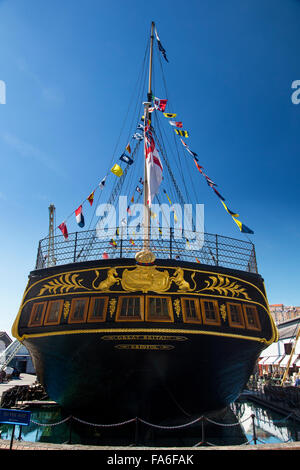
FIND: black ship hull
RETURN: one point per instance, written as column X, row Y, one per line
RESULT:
column 186, row 345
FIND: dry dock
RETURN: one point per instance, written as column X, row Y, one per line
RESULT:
column 27, row 379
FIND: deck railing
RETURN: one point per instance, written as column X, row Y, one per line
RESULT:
column 205, row 248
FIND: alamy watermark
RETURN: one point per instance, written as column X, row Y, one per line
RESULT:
column 295, row 97
column 187, row 222
column 2, row 92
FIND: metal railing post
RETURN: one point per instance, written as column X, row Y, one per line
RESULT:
column 217, row 250
column 75, row 247
column 171, row 242
column 254, row 431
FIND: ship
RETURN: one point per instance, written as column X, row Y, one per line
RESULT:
column 142, row 321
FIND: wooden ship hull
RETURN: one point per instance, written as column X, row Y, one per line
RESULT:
column 161, row 341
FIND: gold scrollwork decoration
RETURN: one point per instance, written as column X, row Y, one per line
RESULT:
column 149, row 278
column 107, row 283
column 66, row 309
column 223, row 312
column 224, row 286
column 183, row 285
column 112, row 307
column 177, row 309
column 63, row 283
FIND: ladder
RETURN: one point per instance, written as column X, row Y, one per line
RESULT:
column 290, row 359
column 9, row 353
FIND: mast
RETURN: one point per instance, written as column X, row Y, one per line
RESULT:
column 51, row 256
column 147, row 104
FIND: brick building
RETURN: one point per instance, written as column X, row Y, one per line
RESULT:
column 282, row 313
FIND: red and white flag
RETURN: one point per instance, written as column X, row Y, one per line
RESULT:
column 153, row 165
column 176, row 123
column 160, row 104
column 64, row 230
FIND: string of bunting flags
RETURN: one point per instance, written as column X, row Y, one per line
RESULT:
column 184, row 133
column 160, row 105
column 117, row 171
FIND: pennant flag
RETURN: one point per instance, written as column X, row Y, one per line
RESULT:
column 113, row 243
column 102, row 183
column 105, row 255
column 170, row 115
column 117, row 231
column 229, row 211
column 138, row 189
column 64, row 230
column 159, row 103
column 131, row 241
column 198, row 166
column 168, row 197
column 182, row 133
column 128, row 148
column 141, row 181
column 218, row 194
column 79, row 216
column 117, row 170
column 91, row 198
column 160, row 47
column 189, row 150
column 126, row 159
column 137, row 136
column 153, row 166
column 140, row 126
column 209, row 181
column 197, row 260
column 243, row 228
column 176, row 124
column 128, row 210
column 132, row 199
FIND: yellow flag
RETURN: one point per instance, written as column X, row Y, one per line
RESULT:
column 238, row 223
column 228, row 210
column 182, row 133
column 170, row 115
column 117, row 170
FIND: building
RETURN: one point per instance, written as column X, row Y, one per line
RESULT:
column 275, row 358
column 282, row 313
column 21, row 360
column 5, row 341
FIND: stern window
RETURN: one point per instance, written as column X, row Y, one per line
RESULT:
column 159, row 309
column 130, row 308
column 98, row 307
column 251, row 316
column 78, row 310
column 53, row 312
column 210, row 312
column 191, row 310
column 37, row 314
column 235, row 315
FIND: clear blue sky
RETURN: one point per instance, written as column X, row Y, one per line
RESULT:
column 70, row 67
